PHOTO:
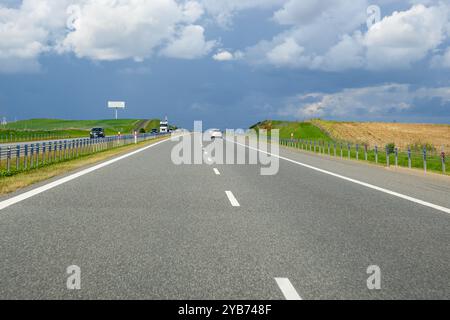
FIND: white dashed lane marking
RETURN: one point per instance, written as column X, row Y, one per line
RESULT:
column 232, row 199
column 287, row 289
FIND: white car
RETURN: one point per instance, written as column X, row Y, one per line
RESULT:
column 215, row 134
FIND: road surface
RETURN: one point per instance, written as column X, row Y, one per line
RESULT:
column 144, row 228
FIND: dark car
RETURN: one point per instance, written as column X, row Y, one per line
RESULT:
column 154, row 131
column 97, row 133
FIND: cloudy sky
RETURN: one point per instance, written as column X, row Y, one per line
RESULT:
column 230, row 63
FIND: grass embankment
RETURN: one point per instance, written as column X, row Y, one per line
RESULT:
column 301, row 130
column 44, row 129
column 380, row 134
column 152, row 124
column 32, row 176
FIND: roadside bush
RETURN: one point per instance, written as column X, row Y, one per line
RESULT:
column 390, row 148
column 142, row 130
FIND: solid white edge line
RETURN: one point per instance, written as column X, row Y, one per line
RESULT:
column 9, row 202
column 216, row 171
column 287, row 289
column 232, row 199
column 368, row 185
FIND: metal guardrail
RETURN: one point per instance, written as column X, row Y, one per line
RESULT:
column 425, row 159
column 33, row 155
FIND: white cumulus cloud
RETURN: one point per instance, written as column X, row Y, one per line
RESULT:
column 112, row 30
column 99, row 30
column 224, row 55
column 190, row 44
column 333, row 36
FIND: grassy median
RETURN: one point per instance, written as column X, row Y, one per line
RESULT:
column 32, row 176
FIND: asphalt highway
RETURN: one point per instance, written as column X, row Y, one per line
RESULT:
column 145, row 228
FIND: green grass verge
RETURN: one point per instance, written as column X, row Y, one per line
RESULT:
column 301, row 130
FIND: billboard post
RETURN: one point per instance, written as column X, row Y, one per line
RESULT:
column 116, row 105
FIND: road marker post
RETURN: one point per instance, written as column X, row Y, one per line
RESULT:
column 376, row 154
column 396, row 157
column 425, row 159
column 443, row 161
column 409, row 157
column 8, row 159
column 37, row 155
column 17, row 157
column 44, row 155
column 387, row 157
column 32, row 156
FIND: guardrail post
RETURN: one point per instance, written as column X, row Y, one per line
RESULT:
column 348, row 150
column 17, row 157
column 443, row 161
column 32, row 156
column 49, row 156
column 425, row 159
column 409, row 157
column 37, row 154
column 44, row 149
column 376, row 154
column 8, row 159
column 25, row 159
column 365, row 152
column 396, row 157
column 342, row 152
column 329, row 151
column 334, row 145
column 357, row 151
column 55, row 148
column 387, row 157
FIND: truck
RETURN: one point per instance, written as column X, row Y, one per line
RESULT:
column 164, row 126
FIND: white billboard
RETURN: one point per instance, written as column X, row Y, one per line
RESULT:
column 116, row 104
